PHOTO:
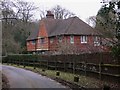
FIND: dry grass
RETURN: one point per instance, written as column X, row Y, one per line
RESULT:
column 5, row 83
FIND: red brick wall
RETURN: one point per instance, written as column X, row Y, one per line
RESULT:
column 77, row 42
column 42, row 33
column 30, row 46
column 42, row 46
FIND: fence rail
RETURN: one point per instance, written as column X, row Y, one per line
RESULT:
column 77, row 64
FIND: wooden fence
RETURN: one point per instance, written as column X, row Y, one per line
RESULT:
column 77, row 64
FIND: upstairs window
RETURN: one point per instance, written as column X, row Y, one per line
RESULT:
column 60, row 38
column 33, row 42
column 71, row 39
column 96, row 41
column 51, row 40
column 83, row 39
column 42, row 40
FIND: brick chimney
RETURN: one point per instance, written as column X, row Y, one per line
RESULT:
column 49, row 15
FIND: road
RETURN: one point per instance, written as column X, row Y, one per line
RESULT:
column 20, row 78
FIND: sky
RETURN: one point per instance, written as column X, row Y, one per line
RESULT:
column 82, row 8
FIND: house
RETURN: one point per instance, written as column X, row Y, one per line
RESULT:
column 59, row 35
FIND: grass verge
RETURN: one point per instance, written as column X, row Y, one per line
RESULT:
column 5, row 83
column 68, row 78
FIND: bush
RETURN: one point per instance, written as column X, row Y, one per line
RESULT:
column 116, row 51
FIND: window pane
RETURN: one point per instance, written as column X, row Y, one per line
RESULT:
column 33, row 41
column 83, row 39
column 42, row 40
column 71, row 39
column 60, row 39
column 51, row 40
column 96, row 41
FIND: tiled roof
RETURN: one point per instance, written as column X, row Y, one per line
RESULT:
column 34, row 33
column 70, row 26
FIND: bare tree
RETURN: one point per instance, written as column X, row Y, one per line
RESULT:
column 43, row 13
column 7, row 12
column 59, row 13
column 24, row 10
column 91, row 21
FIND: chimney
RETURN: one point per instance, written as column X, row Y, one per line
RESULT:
column 49, row 15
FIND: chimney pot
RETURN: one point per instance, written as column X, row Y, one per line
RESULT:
column 49, row 14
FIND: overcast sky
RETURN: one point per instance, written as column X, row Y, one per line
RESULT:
column 82, row 8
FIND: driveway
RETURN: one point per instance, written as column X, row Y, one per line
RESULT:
column 20, row 78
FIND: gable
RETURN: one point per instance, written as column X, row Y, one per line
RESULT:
column 42, row 31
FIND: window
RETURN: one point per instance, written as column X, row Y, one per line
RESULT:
column 33, row 42
column 51, row 40
column 83, row 39
column 42, row 40
column 60, row 39
column 96, row 41
column 71, row 39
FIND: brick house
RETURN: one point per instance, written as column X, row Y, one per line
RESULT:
column 53, row 34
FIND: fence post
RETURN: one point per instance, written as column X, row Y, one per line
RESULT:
column 100, row 70
column 85, row 68
column 100, row 67
column 47, row 64
column 73, row 67
column 24, row 63
column 55, row 64
column 18, row 62
column 64, row 66
column 40, row 65
column 34, row 65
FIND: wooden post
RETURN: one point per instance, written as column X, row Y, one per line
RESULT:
column 100, row 67
column 100, row 70
column 18, row 62
column 34, row 65
column 85, row 67
column 24, row 63
column 55, row 64
column 64, row 66
column 47, row 64
column 39, row 63
column 73, row 67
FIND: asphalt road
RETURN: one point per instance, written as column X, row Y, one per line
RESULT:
column 20, row 78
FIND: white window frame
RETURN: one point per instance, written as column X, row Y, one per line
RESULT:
column 84, row 39
column 51, row 40
column 71, row 39
column 96, row 41
column 60, row 39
